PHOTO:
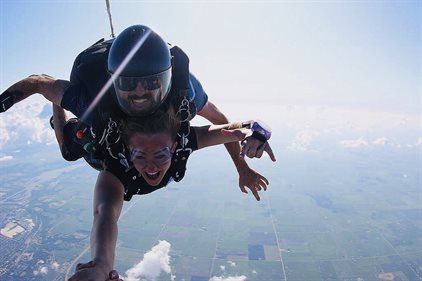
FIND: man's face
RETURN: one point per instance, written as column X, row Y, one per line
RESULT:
column 138, row 96
column 151, row 155
column 142, row 99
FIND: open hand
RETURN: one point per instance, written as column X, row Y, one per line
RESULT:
column 91, row 272
column 249, row 178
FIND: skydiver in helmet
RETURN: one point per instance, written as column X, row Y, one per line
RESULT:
column 138, row 56
column 142, row 80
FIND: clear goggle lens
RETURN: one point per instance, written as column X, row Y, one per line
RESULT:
column 149, row 83
column 159, row 158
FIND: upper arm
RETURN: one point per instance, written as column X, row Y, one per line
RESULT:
column 213, row 114
column 50, row 87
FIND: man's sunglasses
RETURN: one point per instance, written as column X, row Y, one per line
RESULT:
column 130, row 83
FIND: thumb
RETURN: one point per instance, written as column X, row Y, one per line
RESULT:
column 270, row 152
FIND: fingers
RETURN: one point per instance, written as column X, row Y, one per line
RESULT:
column 258, row 185
column 260, row 151
column 270, row 152
column 243, row 150
column 254, row 148
column 242, row 188
column 249, row 147
column 254, row 188
column 81, row 266
column 255, row 193
column 263, row 184
column 114, row 275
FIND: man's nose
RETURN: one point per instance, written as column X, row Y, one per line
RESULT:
column 140, row 88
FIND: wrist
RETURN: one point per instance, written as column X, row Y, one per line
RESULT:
column 260, row 130
column 241, row 165
column 235, row 125
column 103, row 266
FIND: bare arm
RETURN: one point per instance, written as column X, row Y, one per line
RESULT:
column 216, row 117
column 220, row 134
column 50, row 87
column 108, row 202
column 248, row 177
column 59, row 121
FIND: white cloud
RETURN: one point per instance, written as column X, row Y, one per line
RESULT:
column 6, row 158
column 41, row 270
column 55, row 265
column 231, row 263
column 222, row 267
column 380, row 141
column 21, row 124
column 4, row 134
column 354, row 143
column 230, row 278
column 154, row 262
column 302, row 141
column 44, row 270
column 325, row 118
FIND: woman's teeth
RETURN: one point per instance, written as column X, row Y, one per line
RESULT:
column 154, row 175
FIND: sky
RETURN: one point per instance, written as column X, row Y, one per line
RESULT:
column 335, row 53
column 302, row 64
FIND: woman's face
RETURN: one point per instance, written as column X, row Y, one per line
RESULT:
column 151, row 155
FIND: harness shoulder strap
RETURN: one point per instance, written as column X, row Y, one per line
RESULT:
column 183, row 105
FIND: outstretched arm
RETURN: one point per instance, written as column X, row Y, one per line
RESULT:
column 50, row 87
column 216, row 117
column 248, row 177
column 108, row 202
column 219, row 134
column 59, row 121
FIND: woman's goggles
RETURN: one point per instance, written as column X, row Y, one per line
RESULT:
column 158, row 158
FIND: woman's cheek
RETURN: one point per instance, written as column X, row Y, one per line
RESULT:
column 137, row 167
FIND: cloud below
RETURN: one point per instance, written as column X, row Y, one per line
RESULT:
column 354, row 143
column 302, row 141
column 22, row 124
column 155, row 261
column 6, row 158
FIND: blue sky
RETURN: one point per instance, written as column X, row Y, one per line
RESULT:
column 360, row 55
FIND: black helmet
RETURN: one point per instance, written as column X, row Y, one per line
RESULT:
column 140, row 64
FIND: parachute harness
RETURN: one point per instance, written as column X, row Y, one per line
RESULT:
column 184, row 113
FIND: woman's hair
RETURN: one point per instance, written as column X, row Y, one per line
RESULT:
column 158, row 122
